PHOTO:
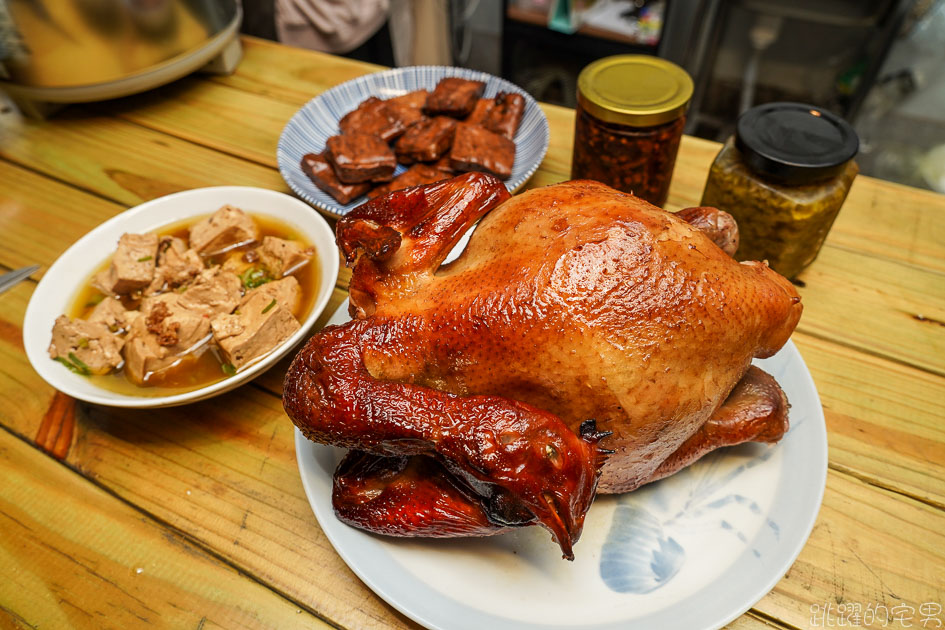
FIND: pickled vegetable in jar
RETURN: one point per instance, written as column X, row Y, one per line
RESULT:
column 630, row 116
column 784, row 176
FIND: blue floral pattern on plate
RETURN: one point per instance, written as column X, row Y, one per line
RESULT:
column 317, row 120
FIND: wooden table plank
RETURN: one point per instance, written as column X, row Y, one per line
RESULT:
column 878, row 306
column 884, row 420
column 892, row 293
column 75, row 556
column 41, row 217
column 234, row 456
column 293, row 75
column 226, row 119
column 223, row 473
column 880, row 218
column 869, row 546
column 125, row 162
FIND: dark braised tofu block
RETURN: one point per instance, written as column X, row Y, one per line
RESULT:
column 454, row 97
column 506, row 115
column 408, row 109
column 414, row 176
column 426, row 141
column 323, row 175
column 475, row 148
column 443, row 165
column 481, row 111
column 360, row 157
column 372, row 117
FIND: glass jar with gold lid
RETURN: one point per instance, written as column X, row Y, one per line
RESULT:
column 783, row 176
column 630, row 116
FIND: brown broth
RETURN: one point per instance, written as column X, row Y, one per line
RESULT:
column 203, row 367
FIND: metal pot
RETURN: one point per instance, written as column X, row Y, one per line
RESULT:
column 85, row 50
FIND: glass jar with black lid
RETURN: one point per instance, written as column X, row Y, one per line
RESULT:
column 784, row 176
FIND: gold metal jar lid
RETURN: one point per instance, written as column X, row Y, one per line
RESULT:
column 635, row 90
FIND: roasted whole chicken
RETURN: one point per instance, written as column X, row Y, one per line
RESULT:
column 583, row 340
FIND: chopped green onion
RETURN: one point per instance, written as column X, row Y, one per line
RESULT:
column 145, row 258
column 79, row 363
column 78, row 367
column 83, row 342
column 182, row 288
column 269, row 307
column 228, row 369
column 254, row 277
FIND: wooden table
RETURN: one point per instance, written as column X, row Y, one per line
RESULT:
column 195, row 516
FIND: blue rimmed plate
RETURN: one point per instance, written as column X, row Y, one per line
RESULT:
column 317, row 120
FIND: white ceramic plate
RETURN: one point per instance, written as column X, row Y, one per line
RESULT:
column 693, row 551
column 309, row 129
column 67, row 275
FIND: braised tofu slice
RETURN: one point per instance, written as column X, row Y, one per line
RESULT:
column 475, row 148
column 286, row 292
column 454, row 97
column 177, row 263
column 505, row 117
column 480, row 112
column 162, row 335
column 416, row 175
column 258, row 326
column 426, row 141
column 282, row 257
column 360, row 157
column 112, row 313
column 372, row 117
column 316, row 166
column 443, row 165
column 408, row 108
column 85, row 347
column 132, row 265
column 213, row 292
column 225, row 229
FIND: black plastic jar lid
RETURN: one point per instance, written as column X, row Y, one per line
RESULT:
column 794, row 143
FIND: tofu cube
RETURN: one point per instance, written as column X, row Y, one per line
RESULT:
column 322, row 174
column 475, row 148
column 408, row 108
column 112, row 313
column 426, row 141
column 85, row 347
column 225, row 229
column 132, row 265
column 454, row 97
column 177, row 263
column 373, row 116
column 286, row 292
column 258, row 326
column 282, row 257
column 165, row 332
column 360, row 157
column 214, row 292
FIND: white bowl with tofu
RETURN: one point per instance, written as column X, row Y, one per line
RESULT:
column 181, row 298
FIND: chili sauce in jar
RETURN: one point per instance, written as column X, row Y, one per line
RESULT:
column 783, row 176
column 630, row 115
